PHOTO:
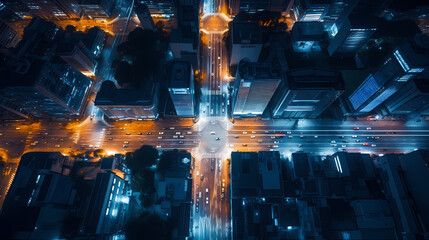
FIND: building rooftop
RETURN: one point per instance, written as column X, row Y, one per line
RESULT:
column 246, row 33
column 110, row 95
column 314, row 78
column 307, row 31
column 180, row 74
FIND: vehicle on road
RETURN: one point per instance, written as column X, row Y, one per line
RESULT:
column 189, row 133
column 373, row 145
column 172, row 128
column 368, row 128
column 198, row 174
column 217, row 139
column 181, row 142
column 110, row 139
column 160, row 133
column 125, row 146
column 128, row 133
column 343, row 146
column 197, row 206
column 57, row 146
column 159, row 137
column 207, row 200
column 181, row 136
column 259, row 140
column 252, row 137
column 199, row 195
column 244, row 145
column 354, row 136
column 212, row 133
column 207, row 190
column 126, row 142
column 357, row 140
column 177, row 133
column 356, row 128
column 236, row 136
column 158, row 146
column 316, row 136
column 366, row 144
column 149, row 133
column 175, row 136
column 244, row 132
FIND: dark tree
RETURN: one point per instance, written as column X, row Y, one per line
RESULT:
column 142, row 158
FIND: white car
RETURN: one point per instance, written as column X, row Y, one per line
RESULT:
column 198, row 173
column 207, row 190
column 244, row 132
column 252, row 137
column 368, row 128
column 354, row 136
column 207, row 200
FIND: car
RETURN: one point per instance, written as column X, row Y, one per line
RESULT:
column 369, row 137
column 290, row 136
column 126, row 142
column 273, row 137
column 207, row 200
column 160, row 133
column 177, row 133
column 354, row 136
column 253, row 131
column 197, row 207
column 316, row 136
column 189, row 133
column 149, row 133
column 202, row 177
column 357, row 140
column 259, row 140
column 356, row 128
column 333, row 141
column 236, row 136
column 57, row 146
column 268, row 146
column 181, row 142
column 175, row 136
column 343, row 146
column 377, row 137
column 244, row 132
column 140, row 133
column 341, row 137
column 199, row 194
column 276, row 141
column 368, row 128
column 172, row 128
column 366, row 144
column 207, row 190
column 212, row 133
column 231, row 145
column 344, row 141
column 110, row 138
column 289, row 132
column 244, row 145
column 182, row 136
column 18, row 128
column 128, row 133
column 223, row 189
column 223, row 95
column 198, row 174
column 125, row 146
column 299, row 145
column 275, row 146
column 217, row 139
column 252, row 137
column 301, row 136
column 158, row 146
column 159, row 137
column 223, row 110
column 333, row 145
column 211, row 112
column 373, row 145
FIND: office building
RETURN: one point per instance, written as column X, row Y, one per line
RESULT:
column 181, row 88
column 128, row 103
column 254, row 87
column 164, row 9
column 8, row 36
column 184, row 44
column 413, row 97
column 39, row 197
column 44, row 90
column 108, row 205
column 246, row 42
column 144, row 16
column 307, row 36
column 174, row 193
column 401, row 176
column 77, row 56
column 46, row 9
column 306, row 93
column 352, row 35
column 98, row 9
column 322, row 10
column 408, row 61
column 253, row 6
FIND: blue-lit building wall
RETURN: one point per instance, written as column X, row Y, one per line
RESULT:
column 381, row 85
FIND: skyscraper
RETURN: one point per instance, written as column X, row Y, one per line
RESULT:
column 252, row 6
column 306, row 93
column 160, row 8
column 47, row 9
column 408, row 61
column 254, row 86
column 321, row 10
column 128, row 103
column 411, row 98
column 246, row 42
column 144, row 16
column 181, row 88
column 97, row 8
column 352, row 35
column 8, row 36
